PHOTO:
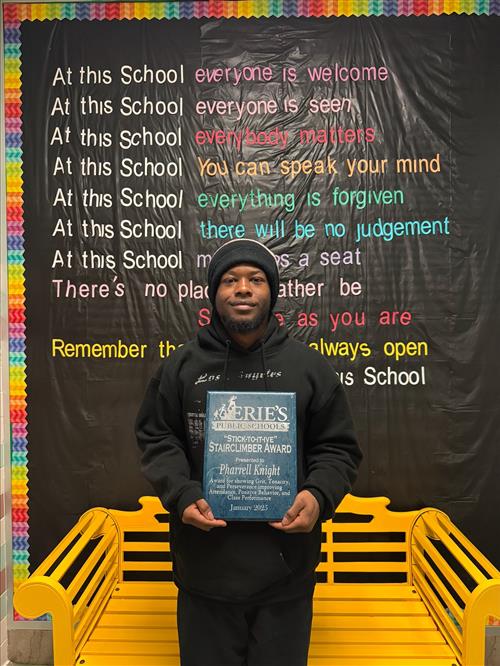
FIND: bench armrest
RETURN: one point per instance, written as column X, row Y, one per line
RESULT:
column 458, row 584
column 73, row 583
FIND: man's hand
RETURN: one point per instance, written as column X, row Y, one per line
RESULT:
column 200, row 515
column 302, row 516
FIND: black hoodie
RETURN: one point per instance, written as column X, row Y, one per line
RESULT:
column 245, row 561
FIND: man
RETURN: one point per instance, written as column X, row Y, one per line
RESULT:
column 245, row 588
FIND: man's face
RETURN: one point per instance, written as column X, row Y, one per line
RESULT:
column 243, row 298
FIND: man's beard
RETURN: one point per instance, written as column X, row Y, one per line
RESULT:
column 239, row 326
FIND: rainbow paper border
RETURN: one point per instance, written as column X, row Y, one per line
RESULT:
column 16, row 305
column 13, row 14
column 187, row 9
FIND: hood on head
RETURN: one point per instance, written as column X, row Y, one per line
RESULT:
column 243, row 251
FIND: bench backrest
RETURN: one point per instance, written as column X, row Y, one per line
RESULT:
column 145, row 542
column 365, row 543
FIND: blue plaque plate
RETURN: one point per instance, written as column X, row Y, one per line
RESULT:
column 250, row 454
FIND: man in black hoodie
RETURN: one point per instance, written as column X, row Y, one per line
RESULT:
column 245, row 588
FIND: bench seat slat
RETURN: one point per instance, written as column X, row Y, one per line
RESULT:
column 136, row 649
column 375, row 622
column 138, row 634
column 331, row 634
column 349, row 622
column 146, row 660
column 334, row 634
column 340, row 650
column 139, row 605
column 400, row 591
column 109, row 660
column 322, row 606
column 369, row 607
column 166, row 647
column 133, row 589
column 145, row 620
column 330, row 606
column 375, row 661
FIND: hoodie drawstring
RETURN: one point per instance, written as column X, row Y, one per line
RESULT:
column 226, row 363
column 264, row 369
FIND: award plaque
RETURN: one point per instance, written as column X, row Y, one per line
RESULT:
column 250, row 454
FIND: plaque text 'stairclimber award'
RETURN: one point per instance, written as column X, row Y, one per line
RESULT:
column 250, row 454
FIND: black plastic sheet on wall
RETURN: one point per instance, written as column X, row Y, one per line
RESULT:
column 363, row 152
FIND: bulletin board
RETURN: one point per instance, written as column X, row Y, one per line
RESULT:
column 358, row 140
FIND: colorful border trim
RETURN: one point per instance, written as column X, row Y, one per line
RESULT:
column 188, row 9
column 13, row 14
column 16, row 306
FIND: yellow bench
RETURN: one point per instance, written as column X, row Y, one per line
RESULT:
column 394, row 589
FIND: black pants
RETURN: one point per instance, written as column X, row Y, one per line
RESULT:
column 219, row 634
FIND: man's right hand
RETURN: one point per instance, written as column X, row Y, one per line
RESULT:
column 200, row 515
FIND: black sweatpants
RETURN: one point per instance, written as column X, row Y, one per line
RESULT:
column 219, row 634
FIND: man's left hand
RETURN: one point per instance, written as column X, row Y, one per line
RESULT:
column 302, row 516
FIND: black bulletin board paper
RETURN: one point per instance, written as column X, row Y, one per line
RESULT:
column 363, row 151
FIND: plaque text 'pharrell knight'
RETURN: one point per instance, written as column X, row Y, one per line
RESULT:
column 250, row 454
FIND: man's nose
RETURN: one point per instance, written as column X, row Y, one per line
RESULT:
column 243, row 286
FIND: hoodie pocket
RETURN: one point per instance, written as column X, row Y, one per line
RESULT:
column 231, row 563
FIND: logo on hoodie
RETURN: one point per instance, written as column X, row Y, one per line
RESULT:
column 233, row 416
column 205, row 377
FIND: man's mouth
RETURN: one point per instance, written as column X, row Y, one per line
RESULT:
column 243, row 307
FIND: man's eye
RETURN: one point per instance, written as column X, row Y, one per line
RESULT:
column 258, row 279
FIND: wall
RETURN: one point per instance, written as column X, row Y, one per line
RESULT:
column 23, row 643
